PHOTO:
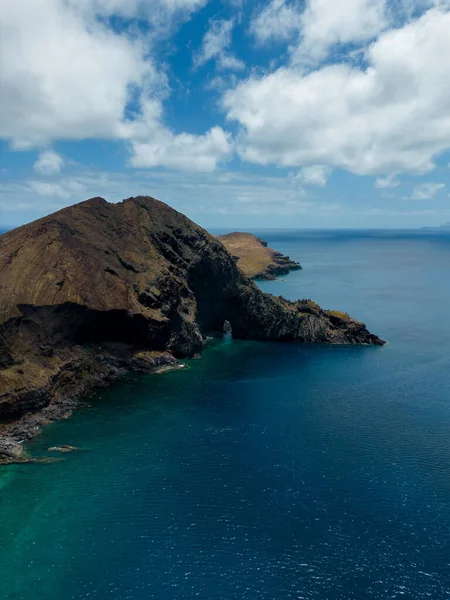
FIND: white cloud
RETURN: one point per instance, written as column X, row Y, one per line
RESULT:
column 230, row 62
column 406, row 10
column 315, row 175
column 182, row 4
column 49, row 163
column 65, row 75
column 278, row 21
column 426, row 191
column 320, row 25
column 387, row 182
column 136, row 8
column 325, row 23
column 183, row 151
column 216, row 44
column 152, row 145
column 55, row 190
column 392, row 117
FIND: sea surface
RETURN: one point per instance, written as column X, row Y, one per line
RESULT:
column 261, row 471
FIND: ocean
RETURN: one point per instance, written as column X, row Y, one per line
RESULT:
column 262, row 471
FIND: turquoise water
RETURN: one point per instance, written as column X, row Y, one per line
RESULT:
column 263, row 471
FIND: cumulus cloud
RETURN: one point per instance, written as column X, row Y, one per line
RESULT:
column 319, row 26
column 216, row 44
column 278, row 21
column 151, row 144
column 69, row 78
column 315, row 175
column 387, row 182
column 73, row 77
column 426, row 191
column 184, row 151
column 391, row 117
column 48, row 163
column 324, row 24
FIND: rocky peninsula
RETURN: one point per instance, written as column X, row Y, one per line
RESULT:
column 255, row 258
column 99, row 289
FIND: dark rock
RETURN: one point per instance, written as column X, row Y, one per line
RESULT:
column 227, row 328
column 63, row 449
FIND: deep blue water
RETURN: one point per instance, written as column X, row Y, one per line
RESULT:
column 264, row 471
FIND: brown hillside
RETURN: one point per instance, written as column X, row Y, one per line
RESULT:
column 255, row 259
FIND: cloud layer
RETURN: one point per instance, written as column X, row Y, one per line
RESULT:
column 390, row 116
column 364, row 87
column 75, row 78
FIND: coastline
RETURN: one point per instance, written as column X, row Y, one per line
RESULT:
column 90, row 370
column 255, row 259
column 86, row 370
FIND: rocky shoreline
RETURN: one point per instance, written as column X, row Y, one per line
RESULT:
column 255, row 259
column 98, row 290
column 86, row 371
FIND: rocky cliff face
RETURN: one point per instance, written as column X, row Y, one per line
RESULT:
column 255, row 259
column 99, row 288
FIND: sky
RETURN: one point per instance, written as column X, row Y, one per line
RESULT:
column 238, row 113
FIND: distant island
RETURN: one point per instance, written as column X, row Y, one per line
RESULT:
column 444, row 227
column 254, row 257
column 98, row 289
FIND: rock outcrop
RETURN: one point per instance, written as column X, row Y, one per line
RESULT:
column 98, row 289
column 255, row 259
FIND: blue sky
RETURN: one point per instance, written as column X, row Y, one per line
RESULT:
column 241, row 114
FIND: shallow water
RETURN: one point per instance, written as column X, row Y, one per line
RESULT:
column 263, row 471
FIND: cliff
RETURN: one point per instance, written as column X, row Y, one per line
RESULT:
column 97, row 289
column 255, row 258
